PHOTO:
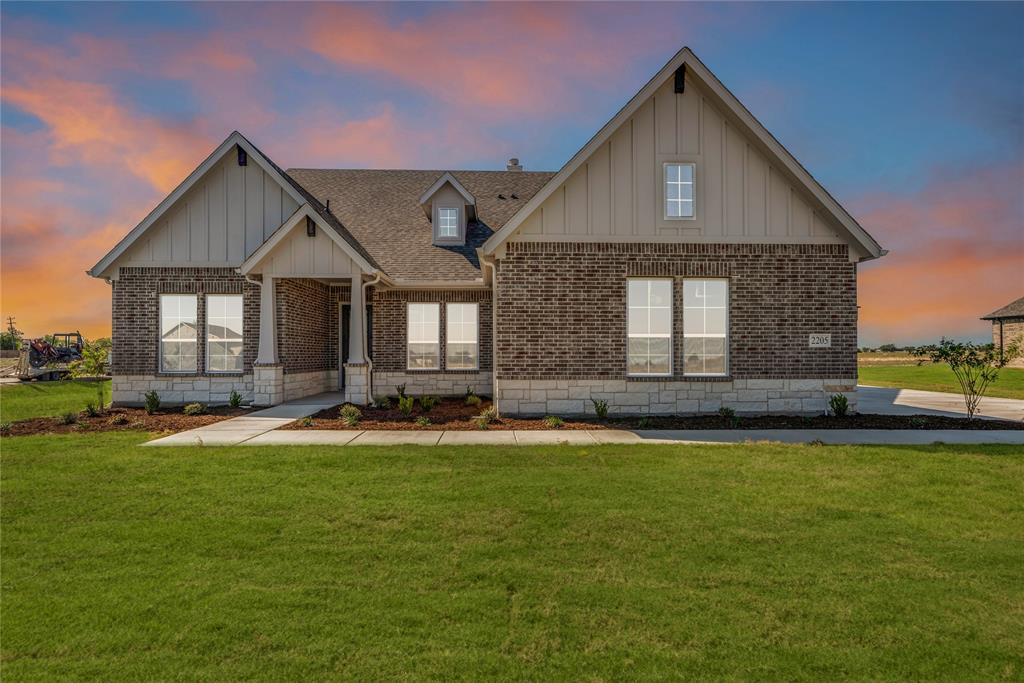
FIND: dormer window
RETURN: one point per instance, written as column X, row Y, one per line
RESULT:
column 448, row 223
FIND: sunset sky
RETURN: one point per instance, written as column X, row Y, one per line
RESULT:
column 911, row 115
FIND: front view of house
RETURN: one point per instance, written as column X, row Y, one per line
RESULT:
column 680, row 262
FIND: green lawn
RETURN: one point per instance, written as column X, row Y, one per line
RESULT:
column 548, row 563
column 934, row 377
column 40, row 399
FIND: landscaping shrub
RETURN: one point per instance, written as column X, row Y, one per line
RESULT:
column 382, row 402
column 119, row 419
column 91, row 410
column 600, row 407
column 838, row 405
column 306, row 421
column 400, row 389
column 68, row 418
column 422, row 421
column 405, row 404
column 350, row 415
column 473, row 400
column 5, row 428
column 152, row 402
column 553, row 422
column 727, row 413
column 194, row 409
column 484, row 419
column 644, row 422
column 428, row 402
column 235, row 399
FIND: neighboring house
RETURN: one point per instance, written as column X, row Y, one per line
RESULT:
column 681, row 261
column 1008, row 328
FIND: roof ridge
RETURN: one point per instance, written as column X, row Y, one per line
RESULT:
column 418, row 170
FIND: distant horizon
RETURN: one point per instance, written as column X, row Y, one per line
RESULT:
column 918, row 133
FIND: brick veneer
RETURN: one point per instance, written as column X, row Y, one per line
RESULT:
column 390, row 328
column 307, row 325
column 136, row 314
column 1005, row 333
column 562, row 307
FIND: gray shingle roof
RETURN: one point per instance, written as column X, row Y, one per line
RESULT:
column 381, row 209
column 1010, row 310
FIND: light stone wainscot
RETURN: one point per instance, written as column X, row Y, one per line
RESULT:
column 130, row 390
column 432, row 383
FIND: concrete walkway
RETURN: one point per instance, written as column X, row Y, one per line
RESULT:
column 245, row 427
column 885, row 401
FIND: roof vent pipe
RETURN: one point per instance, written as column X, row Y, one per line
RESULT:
column 513, row 165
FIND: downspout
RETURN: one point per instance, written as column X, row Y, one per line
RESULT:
column 366, row 340
column 494, row 330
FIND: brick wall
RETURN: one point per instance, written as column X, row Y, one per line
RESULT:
column 136, row 313
column 562, row 307
column 1011, row 330
column 307, row 325
column 390, row 328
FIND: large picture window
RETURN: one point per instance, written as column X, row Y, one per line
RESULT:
column 224, row 333
column 705, row 327
column 178, row 327
column 461, row 340
column 679, row 190
column 424, row 329
column 649, row 327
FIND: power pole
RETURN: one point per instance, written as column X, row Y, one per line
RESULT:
column 10, row 326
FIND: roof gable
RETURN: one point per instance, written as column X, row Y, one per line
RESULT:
column 448, row 178
column 685, row 62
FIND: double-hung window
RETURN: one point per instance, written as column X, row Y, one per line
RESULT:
column 461, row 339
column 649, row 327
column 178, row 339
column 224, row 333
column 705, row 327
column 679, row 190
column 424, row 341
column 448, row 223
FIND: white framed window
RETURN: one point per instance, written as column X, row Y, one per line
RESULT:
column 680, row 186
column 178, row 328
column 462, row 337
column 224, row 333
column 705, row 327
column 424, row 336
column 649, row 327
column 447, row 222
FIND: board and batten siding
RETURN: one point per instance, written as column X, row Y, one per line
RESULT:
column 617, row 194
column 220, row 221
column 299, row 255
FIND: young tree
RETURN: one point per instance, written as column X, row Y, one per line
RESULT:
column 93, row 364
column 975, row 366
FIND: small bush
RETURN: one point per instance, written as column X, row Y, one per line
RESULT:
column 422, row 421
column 644, row 423
column 469, row 391
column 118, row 420
column 727, row 412
column 350, row 415
column 600, row 407
column 306, row 422
column 194, row 409
column 91, row 410
column 235, row 399
column 917, row 422
column 405, row 404
column 838, row 405
column 400, row 389
column 382, row 402
column 152, row 402
column 473, row 400
column 68, row 418
column 485, row 418
column 428, row 402
column 5, row 428
column 553, row 422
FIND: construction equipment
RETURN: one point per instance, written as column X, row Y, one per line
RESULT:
column 43, row 359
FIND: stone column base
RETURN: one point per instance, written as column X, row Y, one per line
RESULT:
column 357, row 382
column 268, row 384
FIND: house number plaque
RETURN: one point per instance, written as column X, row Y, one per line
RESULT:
column 820, row 341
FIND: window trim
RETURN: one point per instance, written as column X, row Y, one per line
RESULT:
column 671, row 327
column 448, row 341
column 726, row 336
column 458, row 225
column 160, row 334
column 440, row 357
column 664, row 190
column 206, row 329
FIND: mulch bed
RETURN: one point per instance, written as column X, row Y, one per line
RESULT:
column 125, row 419
column 453, row 415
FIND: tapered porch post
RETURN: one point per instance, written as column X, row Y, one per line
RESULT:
column 356, row 335
column 267, row 352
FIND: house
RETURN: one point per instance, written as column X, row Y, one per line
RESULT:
column 1008, row 328
column 681, row 261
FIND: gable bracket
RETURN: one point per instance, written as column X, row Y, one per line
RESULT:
column 680, row 83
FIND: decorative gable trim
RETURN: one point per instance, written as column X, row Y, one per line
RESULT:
column 447, row 177
column 687, row 64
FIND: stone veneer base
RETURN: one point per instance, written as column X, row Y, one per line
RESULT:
column 671, row 397
column 130, row 390
column 433, row 383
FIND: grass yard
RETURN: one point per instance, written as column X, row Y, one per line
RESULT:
column 547, row 563
column 935, row 377
column 45, row 399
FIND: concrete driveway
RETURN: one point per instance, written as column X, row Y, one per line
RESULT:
column 885, row 401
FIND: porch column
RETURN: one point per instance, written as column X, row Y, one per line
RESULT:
column 267, row 351
column 356, row 334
